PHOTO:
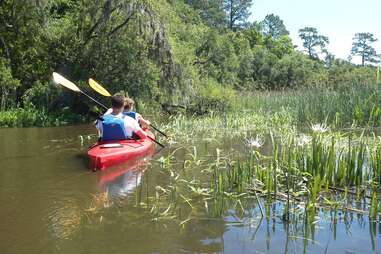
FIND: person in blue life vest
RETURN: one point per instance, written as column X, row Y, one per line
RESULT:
column 116, row 126
column 128, row 111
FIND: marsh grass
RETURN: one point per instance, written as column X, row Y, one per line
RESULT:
column 306, row 172
column 287, row 158
column 330, row 165
column 340, row 106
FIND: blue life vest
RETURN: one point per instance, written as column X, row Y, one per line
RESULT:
column 113, row 128
column 130, row 114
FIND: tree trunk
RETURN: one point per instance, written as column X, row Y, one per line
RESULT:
column 310, row 51
column 231, row 15
column 3, row 99
column 363, row 59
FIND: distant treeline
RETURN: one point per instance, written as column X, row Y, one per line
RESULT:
column 164, row 53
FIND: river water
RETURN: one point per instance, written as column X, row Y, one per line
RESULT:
column 52, row 203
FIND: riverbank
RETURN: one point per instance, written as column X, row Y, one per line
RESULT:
column 32, row 117
column 343, row 106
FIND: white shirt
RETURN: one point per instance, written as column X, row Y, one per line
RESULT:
column 109, row 111
column 130, row 124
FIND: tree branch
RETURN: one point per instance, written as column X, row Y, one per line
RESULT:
column 104, row 18
column 121, row 25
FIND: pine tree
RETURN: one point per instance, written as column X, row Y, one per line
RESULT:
column 237, row 11
column 273, row 26
column 312, row 40
column 361, row 47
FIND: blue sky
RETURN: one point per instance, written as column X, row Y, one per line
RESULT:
column 337, row 19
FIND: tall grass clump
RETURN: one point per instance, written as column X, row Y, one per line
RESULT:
column 310, row 170
column 230, row 124
column 341, row 106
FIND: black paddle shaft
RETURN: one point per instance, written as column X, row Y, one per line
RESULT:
column 162, row 133
column 91, row 98
column 157, row 142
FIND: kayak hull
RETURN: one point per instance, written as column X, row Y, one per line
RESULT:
column 109, row 153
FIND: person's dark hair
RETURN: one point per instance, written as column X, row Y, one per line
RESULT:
column 117, row 100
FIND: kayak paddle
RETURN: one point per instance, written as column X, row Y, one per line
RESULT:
column 97, row 87
column 101, row 90
column 61, row 80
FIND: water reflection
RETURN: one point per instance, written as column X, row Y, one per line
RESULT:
column 122, row 180
column 64, row 219
column 343, row 232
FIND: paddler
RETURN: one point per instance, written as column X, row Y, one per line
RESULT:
column 128, row 111
column 115, row 125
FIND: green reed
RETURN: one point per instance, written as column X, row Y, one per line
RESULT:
column 340, row 106
column 320, row 168
column 232, row 124
column 309, row 172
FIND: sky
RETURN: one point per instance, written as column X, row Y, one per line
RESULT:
column 337, row 19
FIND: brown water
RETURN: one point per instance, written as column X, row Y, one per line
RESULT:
column 51, row 203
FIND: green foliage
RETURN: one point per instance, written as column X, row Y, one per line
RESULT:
column 342, row 72
column 282, row 46
column 8, row 85
column 211, row 11
column 40, row 95
column 253, row 35
column 263, row 71
column 294, row 70
column 217, row 58
column 212, row 97
column 30, row 116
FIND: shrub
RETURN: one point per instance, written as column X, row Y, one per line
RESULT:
column 212, row 97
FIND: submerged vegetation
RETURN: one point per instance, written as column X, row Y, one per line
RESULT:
column 322, row 169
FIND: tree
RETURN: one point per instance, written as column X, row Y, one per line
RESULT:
column 361, row 47
column 294, row 70
column 8, row 85
column 273, row 26
column 329, row 59
column 253, row 34
column 216, row 57
column 280, row 47
column 211, row 11
column 237, row 11
column 312, row 40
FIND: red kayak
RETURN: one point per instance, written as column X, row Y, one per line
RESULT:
column 108, row 153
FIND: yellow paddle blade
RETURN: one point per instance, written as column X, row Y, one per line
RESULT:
column 59, row 79
column 97, row 87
